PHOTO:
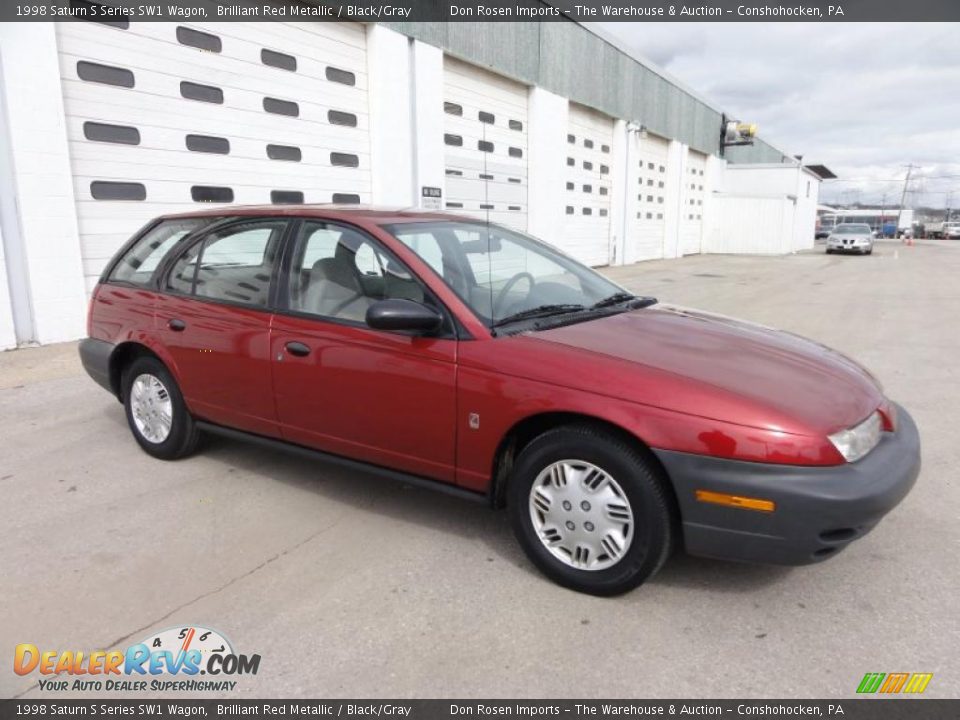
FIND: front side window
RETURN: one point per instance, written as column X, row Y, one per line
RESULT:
column 498, row 272
column 232, row 265
column 338, row 272
column 141, row 260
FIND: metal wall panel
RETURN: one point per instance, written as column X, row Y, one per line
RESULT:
column 552, row 55
column 510, row 49
column 745, row 225
column 759, row 152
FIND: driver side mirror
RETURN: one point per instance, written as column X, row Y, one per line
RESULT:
column 402, row 314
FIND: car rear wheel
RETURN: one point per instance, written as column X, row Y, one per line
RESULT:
column 590, row 510
column 156, row 413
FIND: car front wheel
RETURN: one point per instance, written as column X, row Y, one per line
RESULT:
column 591, row 511
column 156, row 413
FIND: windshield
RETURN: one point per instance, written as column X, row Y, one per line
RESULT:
column 852, row 230
column 501, row 273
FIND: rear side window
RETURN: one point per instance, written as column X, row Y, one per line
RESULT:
column 141, row 260
column 232, row 265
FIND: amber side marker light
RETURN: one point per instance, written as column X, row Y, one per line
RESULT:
column 737, row 501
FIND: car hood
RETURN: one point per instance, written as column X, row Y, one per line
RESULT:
column 722, row 368
column 847, row 236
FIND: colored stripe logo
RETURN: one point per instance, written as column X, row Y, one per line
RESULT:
column 890, row 683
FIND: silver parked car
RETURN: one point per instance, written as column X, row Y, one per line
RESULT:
column 851, row 237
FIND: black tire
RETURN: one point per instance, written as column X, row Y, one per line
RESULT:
column 829, row 251
column 642, row 482
column 183, row 434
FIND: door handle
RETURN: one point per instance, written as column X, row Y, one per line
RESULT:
column 177, row 325
column 297, row 348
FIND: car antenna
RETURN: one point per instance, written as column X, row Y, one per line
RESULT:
column 486, row 212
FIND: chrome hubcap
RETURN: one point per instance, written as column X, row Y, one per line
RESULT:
column 581, row 515
column 151, row 408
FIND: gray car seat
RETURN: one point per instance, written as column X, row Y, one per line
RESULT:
column 334, row 289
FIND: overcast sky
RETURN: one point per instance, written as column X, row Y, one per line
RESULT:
column 862, row 99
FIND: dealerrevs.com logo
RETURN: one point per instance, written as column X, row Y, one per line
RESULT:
column 171, row 660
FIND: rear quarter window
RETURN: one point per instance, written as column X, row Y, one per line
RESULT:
column 138, row 263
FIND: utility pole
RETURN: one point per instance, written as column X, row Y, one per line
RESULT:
column 903, row 197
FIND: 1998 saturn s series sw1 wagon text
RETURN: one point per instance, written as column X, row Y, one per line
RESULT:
column 454, row 353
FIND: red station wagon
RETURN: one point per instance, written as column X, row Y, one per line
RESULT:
column 465, row 356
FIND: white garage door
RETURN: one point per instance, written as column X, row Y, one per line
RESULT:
column 485, row 144
column 163, row 118
column 691, row 206
column 649, row 196
column 588, row 183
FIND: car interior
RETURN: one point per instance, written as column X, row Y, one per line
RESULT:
column 234, row 267
column 492, row 273
column 341, row 274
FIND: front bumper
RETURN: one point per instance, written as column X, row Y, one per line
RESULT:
column 95, row 358
column 819, row 510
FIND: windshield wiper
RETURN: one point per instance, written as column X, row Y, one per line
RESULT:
column 614, row 299
column 633, row 302
column 537, row 312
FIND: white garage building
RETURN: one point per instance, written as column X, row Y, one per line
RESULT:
column 105, row 126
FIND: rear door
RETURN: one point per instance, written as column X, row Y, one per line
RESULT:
column 214, row 318
column 388, row 398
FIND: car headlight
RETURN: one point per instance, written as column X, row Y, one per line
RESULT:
column 857, row 441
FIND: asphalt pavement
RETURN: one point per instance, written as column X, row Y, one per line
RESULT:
column 349, row 585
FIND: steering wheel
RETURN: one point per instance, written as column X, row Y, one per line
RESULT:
column 505, row 290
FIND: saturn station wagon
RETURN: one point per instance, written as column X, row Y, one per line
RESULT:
column 453, row 353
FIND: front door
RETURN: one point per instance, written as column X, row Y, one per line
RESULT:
column 382, row 397
column 214, row 318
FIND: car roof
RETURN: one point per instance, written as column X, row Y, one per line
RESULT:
column 370, row 213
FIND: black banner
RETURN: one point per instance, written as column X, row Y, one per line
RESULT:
column 484, row 10
column 859, row 709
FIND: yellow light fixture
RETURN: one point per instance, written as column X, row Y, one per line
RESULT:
column 737, row 501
